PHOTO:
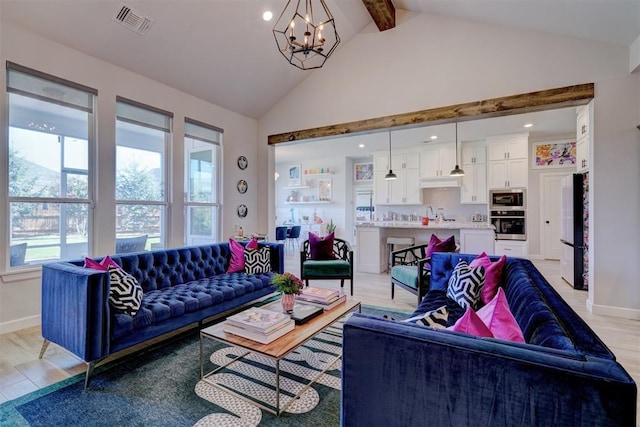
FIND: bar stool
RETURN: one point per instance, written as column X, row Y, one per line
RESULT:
column 391, row 242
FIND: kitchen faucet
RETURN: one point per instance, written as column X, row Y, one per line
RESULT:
column 429, row 208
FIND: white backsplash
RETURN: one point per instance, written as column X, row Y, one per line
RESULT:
column 446, row 200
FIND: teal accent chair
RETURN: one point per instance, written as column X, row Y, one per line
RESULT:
column 411, row 270
column 340, row 268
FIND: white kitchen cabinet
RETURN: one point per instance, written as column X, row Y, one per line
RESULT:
column 405, row 190
column 474, row 181
column 508, row 161
column 511, row 248
column 437, row 161
column 476, row 241
column 505, row 147
column 508, row 174
column 583, row 135
column 369, row 252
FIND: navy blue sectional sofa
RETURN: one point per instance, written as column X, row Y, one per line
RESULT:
column 181, row 287
column 404, row 374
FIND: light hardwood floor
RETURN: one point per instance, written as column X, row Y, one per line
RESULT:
column 22, row 372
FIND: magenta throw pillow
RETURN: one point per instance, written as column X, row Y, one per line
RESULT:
column 102, row 265
column 497, row 316
column 236, row 263
column 471, row 324
column 437, row 245
column 321, row 248
column 493, row 275
column 253, row 244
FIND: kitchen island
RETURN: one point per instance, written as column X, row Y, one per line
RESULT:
column 371, row 239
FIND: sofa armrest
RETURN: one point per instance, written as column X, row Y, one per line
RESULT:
column 75, row 309
column 395, row 373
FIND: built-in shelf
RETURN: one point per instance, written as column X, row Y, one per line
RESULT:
column 297, row 187
column 316, row 175
column 317, row 202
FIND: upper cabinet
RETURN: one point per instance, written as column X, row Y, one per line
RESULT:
column 508, row 160
column 405, row 190
column 437, row 160
column 583, row 137
column 474, row 181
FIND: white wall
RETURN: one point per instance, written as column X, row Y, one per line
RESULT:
column 20, row 293
column 429, row 61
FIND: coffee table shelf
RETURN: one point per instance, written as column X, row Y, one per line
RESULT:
column 275, row 350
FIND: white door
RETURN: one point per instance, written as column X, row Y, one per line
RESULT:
column 551, row 216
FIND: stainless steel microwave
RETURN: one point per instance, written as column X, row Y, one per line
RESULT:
column 513, row 199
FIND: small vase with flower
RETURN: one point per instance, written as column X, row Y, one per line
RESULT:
column 290, row 286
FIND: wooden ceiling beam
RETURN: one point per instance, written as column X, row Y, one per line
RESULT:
column 382, row 12
column 569, row 96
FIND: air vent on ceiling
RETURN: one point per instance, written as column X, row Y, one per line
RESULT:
column 133, row 20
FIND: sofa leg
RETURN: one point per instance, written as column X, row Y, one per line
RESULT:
column 45, row 345
column 87, row 377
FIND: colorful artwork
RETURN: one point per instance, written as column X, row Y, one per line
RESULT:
column 363, row 172
column 554, row 154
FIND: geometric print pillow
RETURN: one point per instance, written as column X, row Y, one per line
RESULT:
column 436, row 319
column 466, row 284
column 125, row 295
column 257, row 261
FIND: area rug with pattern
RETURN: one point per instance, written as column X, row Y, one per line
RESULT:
column 161, row 386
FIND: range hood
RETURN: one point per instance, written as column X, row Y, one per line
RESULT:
column 446, row 182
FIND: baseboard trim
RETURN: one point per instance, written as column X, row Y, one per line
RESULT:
column 17, row 324
column 607, row 310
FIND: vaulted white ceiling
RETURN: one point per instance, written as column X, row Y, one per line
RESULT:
column 223, row 52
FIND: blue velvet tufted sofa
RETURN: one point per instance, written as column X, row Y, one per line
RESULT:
column 404, row 374
column 181, row 287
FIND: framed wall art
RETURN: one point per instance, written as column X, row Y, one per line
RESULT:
column 295, row 176
column 242, row 186
column 324, row 190
column 554, row 154
column 363, row 172
column 242, row 211
column 243, row 162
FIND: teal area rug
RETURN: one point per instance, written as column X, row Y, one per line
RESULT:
column 161, row 386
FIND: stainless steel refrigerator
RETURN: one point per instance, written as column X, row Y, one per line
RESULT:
column 573, row 230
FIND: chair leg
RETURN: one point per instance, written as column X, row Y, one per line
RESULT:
column 351, row 284
column 45, row 345
column 392, row 289
column 341, row 283
column 306, row 281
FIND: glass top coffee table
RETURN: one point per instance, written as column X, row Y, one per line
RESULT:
column 276, row 350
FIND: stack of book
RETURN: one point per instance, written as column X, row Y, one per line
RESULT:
column 321, row 297
column 259, row 324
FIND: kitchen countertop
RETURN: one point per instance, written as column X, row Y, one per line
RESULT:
column 433, row 225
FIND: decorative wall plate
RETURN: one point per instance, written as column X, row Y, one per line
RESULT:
column 243, row 162
column 242, row 211
column 242, row 186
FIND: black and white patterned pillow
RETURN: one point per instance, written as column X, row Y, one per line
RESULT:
column 436, row 319
column 125, row 295
column 465, row 284
column 257, row 260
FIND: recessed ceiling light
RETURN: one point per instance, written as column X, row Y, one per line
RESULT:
column 361, row 145
column 267, row 15
column 434, row 136
column 528, row 125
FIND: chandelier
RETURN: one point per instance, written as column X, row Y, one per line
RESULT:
column 306, row 35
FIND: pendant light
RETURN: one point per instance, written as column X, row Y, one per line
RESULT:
column 457, row 171
column 390, row 176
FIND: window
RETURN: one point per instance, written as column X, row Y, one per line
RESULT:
column 142, row 136
column 51, row 124
column 202, row 182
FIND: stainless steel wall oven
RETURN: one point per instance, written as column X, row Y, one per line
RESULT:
column 509, row 224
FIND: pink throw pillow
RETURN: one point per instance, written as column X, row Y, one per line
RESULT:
column 102, row 265
column 471, row 324
column 236, row 263
column 498, row 318
column 321, row 248
column 493, row 275
column 437, row 245
column 253, row 244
